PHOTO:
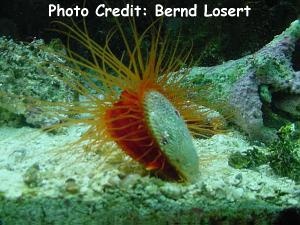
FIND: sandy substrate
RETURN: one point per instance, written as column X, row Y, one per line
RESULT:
column 44, row 181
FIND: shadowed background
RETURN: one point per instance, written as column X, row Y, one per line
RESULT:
column 214, row 39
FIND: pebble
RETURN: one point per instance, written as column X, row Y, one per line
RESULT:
column 171, row 190
column 152, row 189
column 293, row 201
column 130, row 180
column 237, row 193
column 31, row 176
column 71, row 186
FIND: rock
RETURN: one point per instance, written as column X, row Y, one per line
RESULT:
column 247, row 86
column 29, row 73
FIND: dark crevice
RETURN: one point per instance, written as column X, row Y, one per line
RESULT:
column 289, row 216
column 296, row 57
column 283, row 109
column 11, row 119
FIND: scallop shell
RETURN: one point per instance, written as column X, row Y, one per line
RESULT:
column 172, row 135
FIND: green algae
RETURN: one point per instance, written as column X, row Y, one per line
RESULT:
column 283, row 155
column 250, row 159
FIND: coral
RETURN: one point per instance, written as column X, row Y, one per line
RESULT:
column 251, row 85
column 25, row 70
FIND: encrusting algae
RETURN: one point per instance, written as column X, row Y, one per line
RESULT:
column 137, row 100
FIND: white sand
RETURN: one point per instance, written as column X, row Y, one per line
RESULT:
column 32, row 164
